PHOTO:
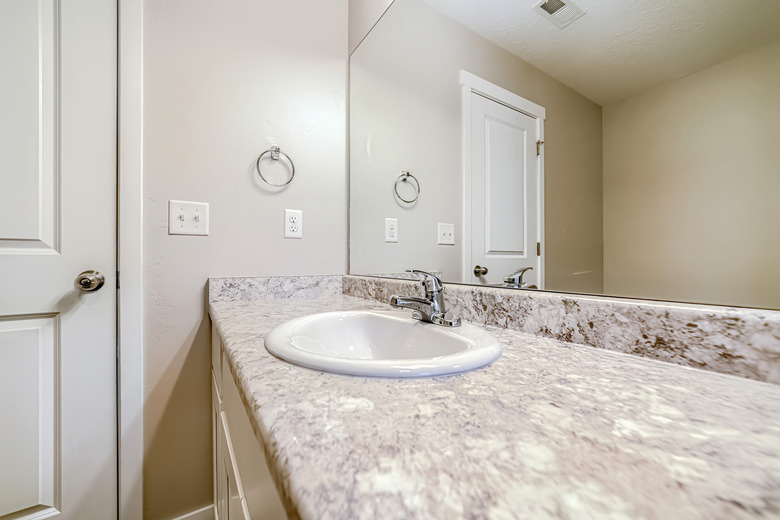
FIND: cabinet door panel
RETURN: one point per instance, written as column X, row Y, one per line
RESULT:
column 234, row 493
column 216, row 358
column 262, row 499
column 216, row 446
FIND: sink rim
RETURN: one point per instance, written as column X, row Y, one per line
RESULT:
column 483, row 348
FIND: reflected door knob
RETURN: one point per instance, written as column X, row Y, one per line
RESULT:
column 90, row 281
column 480, row 271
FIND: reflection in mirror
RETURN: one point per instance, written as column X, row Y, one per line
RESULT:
column 659, row 172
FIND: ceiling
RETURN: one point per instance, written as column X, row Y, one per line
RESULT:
column 620, row 48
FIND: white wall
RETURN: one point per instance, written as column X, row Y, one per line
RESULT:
column 363, row 14
column 223, row 82
column 691, row 184
column 406, row 114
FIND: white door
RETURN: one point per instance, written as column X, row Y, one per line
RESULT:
column 504, row 193
column 58, row 438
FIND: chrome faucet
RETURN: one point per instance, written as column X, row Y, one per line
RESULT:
column 431, row 308
column 515, row 280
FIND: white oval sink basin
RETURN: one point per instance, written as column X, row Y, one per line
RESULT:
column 381, row 343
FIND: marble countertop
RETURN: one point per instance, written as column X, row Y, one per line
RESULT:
column 550, row 430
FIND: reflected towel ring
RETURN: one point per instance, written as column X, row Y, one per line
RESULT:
column 275, row 153
column 404, row 177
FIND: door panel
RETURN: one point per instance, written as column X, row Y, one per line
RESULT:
column 57, row 219
column 505, row 179
column 29, row 352
column 29, row 47
column 504, row 192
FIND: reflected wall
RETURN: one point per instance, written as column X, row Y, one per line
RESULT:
column 691, row 187
column 668, row 194
column 405, row 114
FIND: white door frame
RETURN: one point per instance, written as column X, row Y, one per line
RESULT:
column 130, row 390
column 470, row 83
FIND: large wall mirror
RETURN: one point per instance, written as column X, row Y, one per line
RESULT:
column 657, row 126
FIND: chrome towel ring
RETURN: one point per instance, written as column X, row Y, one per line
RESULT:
column 407, row 177
column 275, row 153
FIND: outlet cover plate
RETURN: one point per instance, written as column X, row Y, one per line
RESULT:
column 391, row 230
column 293, row 223
column 188, row 218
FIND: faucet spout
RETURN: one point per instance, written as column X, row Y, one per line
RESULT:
column 420, row 305
column 431, row 308
column 515, row 280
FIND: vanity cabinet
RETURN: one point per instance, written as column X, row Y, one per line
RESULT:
column 243, row 486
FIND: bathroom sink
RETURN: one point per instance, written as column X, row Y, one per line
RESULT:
column 381, row 344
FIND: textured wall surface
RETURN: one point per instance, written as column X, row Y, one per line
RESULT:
column 223, row 82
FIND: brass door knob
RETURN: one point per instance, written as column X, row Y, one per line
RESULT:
column 480, row 271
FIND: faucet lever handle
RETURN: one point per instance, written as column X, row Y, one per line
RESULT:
column 435, row 281
column 517, row 276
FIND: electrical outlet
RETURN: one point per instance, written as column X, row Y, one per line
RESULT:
column 188, row 218
column 293, row 223
column 391, row 230
column 446, row 234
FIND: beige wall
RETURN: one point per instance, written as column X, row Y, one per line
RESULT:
column 691, row 186
column 363, row 14
column 224, row 81
column 405, row 114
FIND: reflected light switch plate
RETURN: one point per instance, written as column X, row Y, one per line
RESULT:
column 446, row 234
column 188, row 218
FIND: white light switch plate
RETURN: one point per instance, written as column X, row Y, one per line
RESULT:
column 446, row 234
column 391, row 230
column 188, row 218
column 293, row 223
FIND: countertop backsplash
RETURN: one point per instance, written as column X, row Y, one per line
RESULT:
column 729, row 340
column 246, row 288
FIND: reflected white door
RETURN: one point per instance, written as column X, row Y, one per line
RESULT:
column 504, row 193
column 57, row 218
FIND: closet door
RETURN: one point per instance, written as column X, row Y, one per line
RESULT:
column 58, row 219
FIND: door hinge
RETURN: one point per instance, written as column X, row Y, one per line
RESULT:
column 117, row 279
column 539, row 147
column 538, row 249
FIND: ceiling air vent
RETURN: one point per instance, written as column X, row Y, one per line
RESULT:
column 559, row 12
